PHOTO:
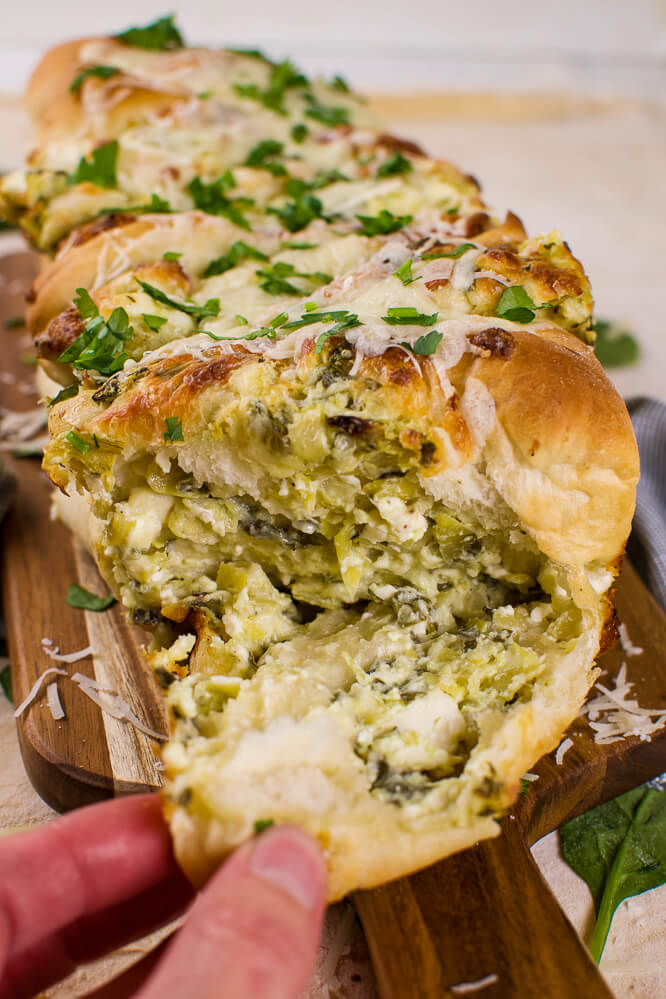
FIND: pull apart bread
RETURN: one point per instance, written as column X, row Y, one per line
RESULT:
column 345, row 450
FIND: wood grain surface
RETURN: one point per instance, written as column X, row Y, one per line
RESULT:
column 485, row 912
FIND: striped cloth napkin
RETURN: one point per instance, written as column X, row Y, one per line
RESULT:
column 647, row 544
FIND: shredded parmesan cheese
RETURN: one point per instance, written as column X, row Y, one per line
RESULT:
column 112, row 704
column 55, row 707
column 464, row 988
column 613, row 715
column 562, row 749
column 36, row 687
column 53, row 652
column 530, row 777
column 626, row 643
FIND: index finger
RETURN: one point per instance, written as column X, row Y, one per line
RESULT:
column 79, row 864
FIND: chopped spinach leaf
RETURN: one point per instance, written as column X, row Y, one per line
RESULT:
column 241, row 320
column 395, row 164
column 239, row 252
column 100, row 169
column 101, row 72
column 174, row 429
column 261, row 824
column 383, row 223
column 340, row 84
column 614, row 346
column 211, row 198
column 171, row 255
column 77, row 442
column 211, row 308
column 293, row 245
column 426, row 344
column 160, row 35
column 619, row 848
column 82, row 599
column 409, row 316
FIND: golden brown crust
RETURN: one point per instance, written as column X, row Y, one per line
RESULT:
column 563, row 452
column 53, row 75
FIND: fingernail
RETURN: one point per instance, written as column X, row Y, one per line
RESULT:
column 292, row 862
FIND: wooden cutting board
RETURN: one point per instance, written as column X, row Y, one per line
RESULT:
column 484, row 912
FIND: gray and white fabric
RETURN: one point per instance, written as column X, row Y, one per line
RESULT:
column 647, row 545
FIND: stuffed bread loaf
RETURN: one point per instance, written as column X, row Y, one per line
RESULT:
column 362, row 476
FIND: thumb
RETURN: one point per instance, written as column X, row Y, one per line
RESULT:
column 254, row 929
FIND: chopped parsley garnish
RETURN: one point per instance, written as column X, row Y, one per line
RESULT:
column 153, row 323
column 340, row 84
column 293, row 245
column 404, row 272
column 101, row 72
column 347, row 323
column 261, row 824
column 160, row 35
column 100, row 169
column 296, row 188
column 383, row 223
column 77, row 442
column 211, row 198
column 283, row 76
column 614, row 346
column 312, row 317
column 395, row 164
column 174, row 429
column 101, row 346
column 327, row 114
column 67, row 393
column 297, row 214
column 171, row 255
column 299, row 133
column 516, row 305
column 82, row 599
column 239, row 252
column 426, row 344
column 251, row 54
column 275, row 276
column 241, row 320
column 205, row 94
column 84, row 304
column 262, row 156
column 211, row 308
column 458, row 252
column 14, row 322
column 156, row 206
column 409, row 316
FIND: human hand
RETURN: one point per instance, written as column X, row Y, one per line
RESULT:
column 100, row 877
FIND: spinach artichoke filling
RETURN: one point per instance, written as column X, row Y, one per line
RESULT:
column 415, row 622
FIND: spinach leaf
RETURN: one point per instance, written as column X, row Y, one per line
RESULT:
column 426, row 344
column 174, row 429
column 619, row 849
column 383, row 223
column 395, row 164
column 239, row 252
column 82, row 599
column 327, row 114
column 211, row 198
column 282, row 76
column 101, row 346
column 614, row 347
column 297, row 214
column 515, row 304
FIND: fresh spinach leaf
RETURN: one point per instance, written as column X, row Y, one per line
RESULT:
column 82, row 599
column 100, row 169
column 614, row 347
column 619, row 849
column 101, row 72
column 174, row 429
